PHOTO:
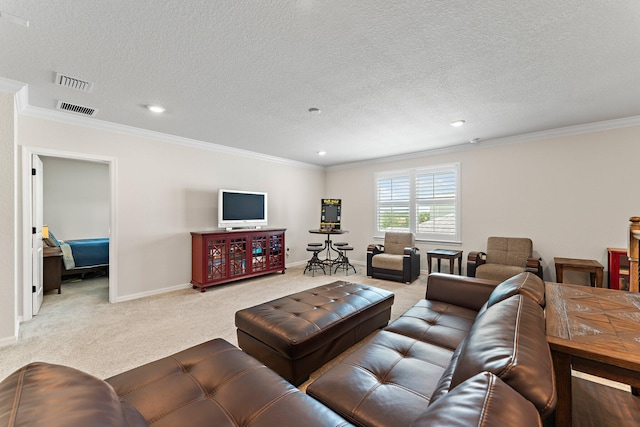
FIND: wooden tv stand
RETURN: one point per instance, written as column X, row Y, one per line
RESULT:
column 225, row 256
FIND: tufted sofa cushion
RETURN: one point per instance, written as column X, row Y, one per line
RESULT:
column 435, row 322
column 389, row 381
column 524, row 283
column 509, row 340
column 44, row 394
column 482, row 400
column 215, row 383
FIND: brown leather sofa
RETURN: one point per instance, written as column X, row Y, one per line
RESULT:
column 211, row 384
column 466, row 355
column 464, row 328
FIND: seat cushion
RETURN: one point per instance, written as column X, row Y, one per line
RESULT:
column 435, row 322
column 482, row 400
column 388, row 261
column 216, row 384
column 44, row 394
column 388, row 381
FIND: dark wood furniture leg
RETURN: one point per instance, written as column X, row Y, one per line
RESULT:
column 562, row 369
column 559, row 273
column 599, row 274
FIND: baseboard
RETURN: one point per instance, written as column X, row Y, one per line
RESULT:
column 153, row 292
column 8, row 341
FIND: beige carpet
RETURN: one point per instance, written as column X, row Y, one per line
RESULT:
column 79, row 328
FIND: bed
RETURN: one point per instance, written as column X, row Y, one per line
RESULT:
column 89, row 255
column 82, row 256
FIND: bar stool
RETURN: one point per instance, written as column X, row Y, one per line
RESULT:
column 314, row 263
column 342, row 262
column 337, row 246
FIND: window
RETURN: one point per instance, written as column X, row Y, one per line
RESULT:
column 423, row 201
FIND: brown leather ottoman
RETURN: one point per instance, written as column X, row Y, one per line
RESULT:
column 297, row 334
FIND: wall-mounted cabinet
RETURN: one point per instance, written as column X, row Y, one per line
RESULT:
column 224, row 256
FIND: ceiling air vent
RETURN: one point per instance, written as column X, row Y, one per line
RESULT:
column 78, row 109
column 73, row 83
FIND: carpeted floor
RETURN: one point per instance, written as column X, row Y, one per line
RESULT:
column 79, row 328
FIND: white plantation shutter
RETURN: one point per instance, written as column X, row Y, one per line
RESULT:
column 423, row 201
column 393, row 193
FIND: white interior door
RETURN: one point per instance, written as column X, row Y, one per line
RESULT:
column 36, row 223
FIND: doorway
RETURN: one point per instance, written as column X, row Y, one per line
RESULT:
column 27, row 203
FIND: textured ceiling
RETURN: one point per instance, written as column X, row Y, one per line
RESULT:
column 388, row 76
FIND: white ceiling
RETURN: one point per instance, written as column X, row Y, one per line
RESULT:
column 388, row 76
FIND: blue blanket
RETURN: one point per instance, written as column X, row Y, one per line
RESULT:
column 89, row 252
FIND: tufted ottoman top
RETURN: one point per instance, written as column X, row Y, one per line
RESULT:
column 300, row 323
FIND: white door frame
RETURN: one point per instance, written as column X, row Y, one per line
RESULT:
column 27, row 153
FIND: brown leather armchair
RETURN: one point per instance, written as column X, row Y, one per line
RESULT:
column 505, row 258
column 398, row 259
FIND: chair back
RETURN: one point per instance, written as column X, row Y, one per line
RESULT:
column 395, row 242
column 509, row 250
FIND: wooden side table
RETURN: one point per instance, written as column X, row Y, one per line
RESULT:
column 594, row 268
column 52, row 269
column 451, row 255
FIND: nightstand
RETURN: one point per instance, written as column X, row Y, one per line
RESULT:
column 52, row 269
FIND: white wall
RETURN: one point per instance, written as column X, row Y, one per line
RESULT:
column 165, row 190
column 8, row 224
column 572, row 195
column 76, row 198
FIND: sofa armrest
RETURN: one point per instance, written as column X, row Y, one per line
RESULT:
column 474, row 259
column 467, row 292
column 410, row 251
column 372, row 250
column 534, row 265
column 375, row 249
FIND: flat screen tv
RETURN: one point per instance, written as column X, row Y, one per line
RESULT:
column 241, row 209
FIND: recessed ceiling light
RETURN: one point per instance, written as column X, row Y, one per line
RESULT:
column 315, row 110
column 156, row 108
column 474, row 140
column 457, row 123
column 321, row 153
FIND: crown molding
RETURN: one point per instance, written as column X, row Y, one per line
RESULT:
column 10, row 86
column 69, row 118
column 514, row 139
